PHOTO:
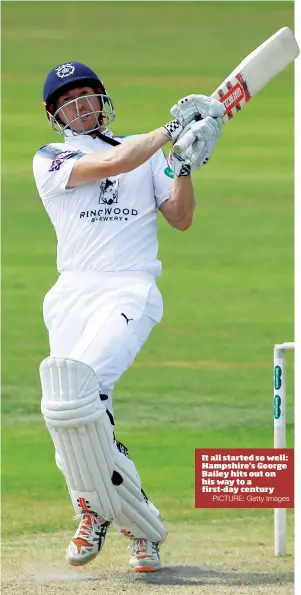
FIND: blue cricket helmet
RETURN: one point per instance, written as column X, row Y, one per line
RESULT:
column 67, row 75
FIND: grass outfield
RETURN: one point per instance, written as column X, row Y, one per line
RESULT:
column 204, row 379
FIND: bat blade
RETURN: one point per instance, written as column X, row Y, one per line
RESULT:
column 250, row 76
column 256, row 71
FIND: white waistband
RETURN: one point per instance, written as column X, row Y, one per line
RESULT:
column 106, row 275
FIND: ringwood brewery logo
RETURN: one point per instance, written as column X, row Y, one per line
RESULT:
column 108, row 214
column 108, row 199
column 108, row 192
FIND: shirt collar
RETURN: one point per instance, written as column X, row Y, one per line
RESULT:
column 73, row 135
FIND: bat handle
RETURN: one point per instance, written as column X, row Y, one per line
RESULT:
column 183, row 143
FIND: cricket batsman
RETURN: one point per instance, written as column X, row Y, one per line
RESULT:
column 102, row 195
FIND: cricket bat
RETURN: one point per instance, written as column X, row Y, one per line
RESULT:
column 252, row 74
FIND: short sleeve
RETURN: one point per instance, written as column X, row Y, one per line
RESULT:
column 162, row 178
column 52, row 166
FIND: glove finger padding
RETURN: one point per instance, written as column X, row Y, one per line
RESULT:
column 195, row 154
column 191, row 107
column 207, row 133
column 207, row 129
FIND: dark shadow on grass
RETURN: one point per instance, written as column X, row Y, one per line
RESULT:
column 198, row 575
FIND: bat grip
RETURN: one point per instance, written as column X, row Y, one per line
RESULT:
column 183, row 143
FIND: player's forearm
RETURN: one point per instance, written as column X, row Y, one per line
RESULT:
column 179, row 209
column 137, row 151
column 121, row 159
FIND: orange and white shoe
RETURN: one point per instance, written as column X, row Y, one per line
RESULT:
column 146, row 557
column 88, row 540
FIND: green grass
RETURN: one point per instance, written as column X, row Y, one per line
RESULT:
column 227, row 282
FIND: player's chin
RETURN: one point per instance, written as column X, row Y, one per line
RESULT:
column 84, row 125
column 89, row 122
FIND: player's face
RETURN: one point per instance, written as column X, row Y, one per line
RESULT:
column 79, row 112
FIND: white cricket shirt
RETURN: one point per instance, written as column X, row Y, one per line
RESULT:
column 108, row 225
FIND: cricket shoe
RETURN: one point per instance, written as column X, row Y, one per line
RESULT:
column 146, row 557
column 88, row 540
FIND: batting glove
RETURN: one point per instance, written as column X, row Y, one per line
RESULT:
column 178, row 164
column 207, row 133
column 173, row 129
column 196, row 107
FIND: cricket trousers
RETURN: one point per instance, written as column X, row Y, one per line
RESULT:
column 102, row 320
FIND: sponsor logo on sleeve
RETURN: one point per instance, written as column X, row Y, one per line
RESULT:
column 61, row 157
